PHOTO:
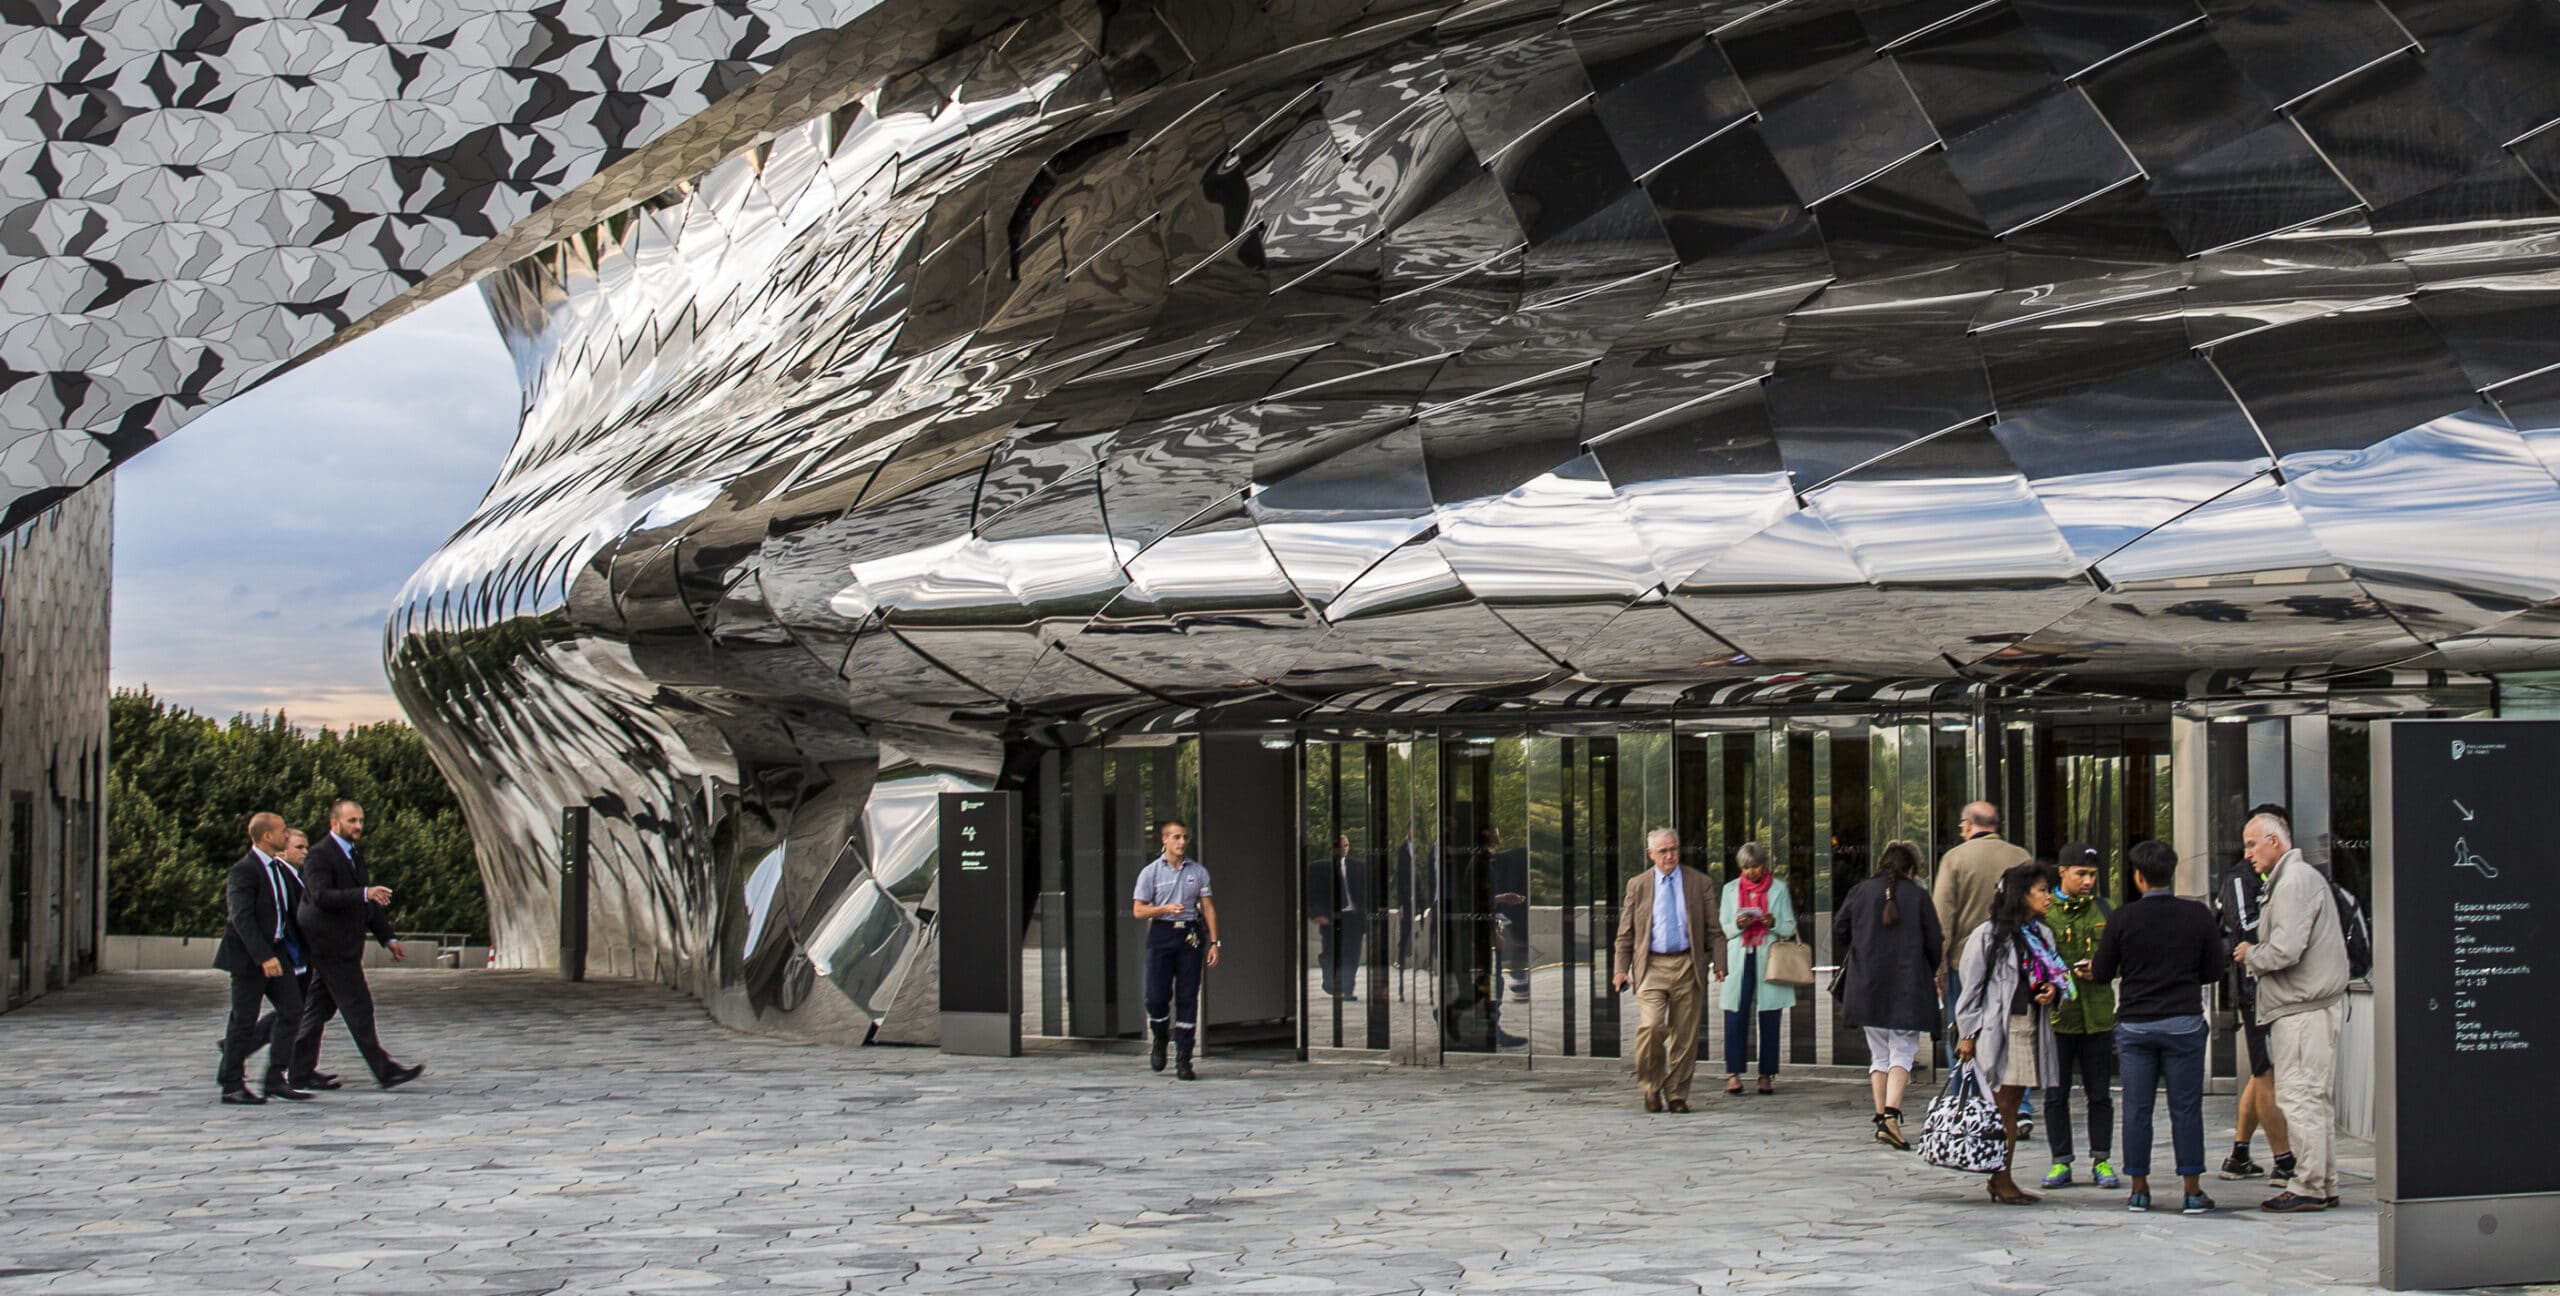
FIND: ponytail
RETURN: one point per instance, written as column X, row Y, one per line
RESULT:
column 1895, row 866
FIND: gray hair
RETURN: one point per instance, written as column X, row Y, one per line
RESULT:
column 1749, row 854
column 1655, row 838
column 2272, row 825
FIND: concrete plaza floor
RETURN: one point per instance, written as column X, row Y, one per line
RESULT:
column 607, row 1137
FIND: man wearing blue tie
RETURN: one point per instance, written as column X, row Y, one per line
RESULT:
column 259, row 948
column 1668, row 942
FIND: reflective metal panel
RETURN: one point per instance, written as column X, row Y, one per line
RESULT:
column 1153, row 359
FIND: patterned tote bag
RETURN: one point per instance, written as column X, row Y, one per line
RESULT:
column 1962, row 1131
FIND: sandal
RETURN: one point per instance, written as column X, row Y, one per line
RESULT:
column 1733, row 1084
column 2012, row 1197
column 1889, row 1131
column 1766, row 1087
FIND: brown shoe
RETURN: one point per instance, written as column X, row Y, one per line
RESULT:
column 1733, row 1084
column 1766, row 1087
column 1652, row 1101
column 1680, row 1104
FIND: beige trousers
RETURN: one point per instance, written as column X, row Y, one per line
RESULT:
column 2304, row 1049
column 1668, row 1005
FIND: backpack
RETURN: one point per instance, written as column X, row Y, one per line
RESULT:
column 2351, row 924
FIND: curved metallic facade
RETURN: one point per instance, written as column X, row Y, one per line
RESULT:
column 1297, row 359
column 197, row 194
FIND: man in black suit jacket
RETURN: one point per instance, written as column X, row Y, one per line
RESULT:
column 259, row 948
column 297, row 849
column 1337, row 901
column 338, row 908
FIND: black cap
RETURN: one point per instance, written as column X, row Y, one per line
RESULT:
column 2076, row 854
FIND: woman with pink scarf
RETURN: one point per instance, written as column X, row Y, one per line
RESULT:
column 1756, row 910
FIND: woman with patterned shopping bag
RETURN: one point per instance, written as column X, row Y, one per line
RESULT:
column 2013, row 975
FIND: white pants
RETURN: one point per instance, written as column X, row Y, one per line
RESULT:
column 1887, row 1049
column 2304, row 1049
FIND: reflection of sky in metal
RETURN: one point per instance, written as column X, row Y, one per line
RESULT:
column 1226, row 353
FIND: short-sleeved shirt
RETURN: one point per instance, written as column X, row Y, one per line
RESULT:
column 1162, row 883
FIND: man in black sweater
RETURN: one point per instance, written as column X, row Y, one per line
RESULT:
column 2163, row 950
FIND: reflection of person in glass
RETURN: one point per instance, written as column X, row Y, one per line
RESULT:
column 1667, row 943
column 1756, row 910
column 1509, row 872
column 1172, row 896
column 1336, row 893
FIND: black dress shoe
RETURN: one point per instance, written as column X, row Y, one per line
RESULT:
column 241, row 1098
column 287, row 1092
column 318, row 1080
column 399, row 1075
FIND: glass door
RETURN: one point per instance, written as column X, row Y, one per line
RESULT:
column 1483, row 929
column 1366, row 891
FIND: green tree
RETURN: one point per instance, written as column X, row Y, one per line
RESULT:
column 183, row 786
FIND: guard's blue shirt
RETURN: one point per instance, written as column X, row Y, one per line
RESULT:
column 1670, row 914
column 1161, row 883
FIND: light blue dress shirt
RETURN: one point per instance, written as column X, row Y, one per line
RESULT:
column 1670, row 914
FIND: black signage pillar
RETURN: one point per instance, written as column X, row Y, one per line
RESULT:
column 573, row 894
column 2467, row 992
column 980, row 921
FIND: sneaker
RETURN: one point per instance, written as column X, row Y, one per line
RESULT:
column 2059, row 1176
column 2197, row 1204
column 2105, row 1173
column 2140, row 1201
column 2282, row 1174
column 2330, row 1202
column 2241, row 1167
column 2289, row 1204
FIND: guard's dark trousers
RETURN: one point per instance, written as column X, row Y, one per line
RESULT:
column 1173, row 982
column 338, row 989
column 249, row 990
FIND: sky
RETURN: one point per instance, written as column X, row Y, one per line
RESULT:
column 258, row 548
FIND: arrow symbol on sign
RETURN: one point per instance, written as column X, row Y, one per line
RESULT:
column 2467, row 816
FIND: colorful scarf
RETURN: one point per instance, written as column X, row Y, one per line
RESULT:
column 2041, row 965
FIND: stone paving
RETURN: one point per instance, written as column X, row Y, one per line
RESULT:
column 608, row 1137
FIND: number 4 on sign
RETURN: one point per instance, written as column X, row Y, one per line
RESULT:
column 969, row 833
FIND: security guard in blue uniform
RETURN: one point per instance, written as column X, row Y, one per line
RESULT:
column 1172, row 896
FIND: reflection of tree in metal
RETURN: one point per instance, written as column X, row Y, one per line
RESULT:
column 1262, row 358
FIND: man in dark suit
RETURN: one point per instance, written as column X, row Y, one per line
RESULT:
column 1337, row 899
column 297, row 850
column 259, row 949
column 338, row 908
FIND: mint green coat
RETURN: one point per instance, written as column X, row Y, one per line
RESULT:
column 1782, row 922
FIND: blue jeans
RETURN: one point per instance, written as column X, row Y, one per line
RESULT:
column 2173, row 1048
column 1737, row 1027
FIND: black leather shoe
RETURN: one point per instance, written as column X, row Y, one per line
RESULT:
column 1155, row 1056
column 287, row 1092
column 318, row 1080
column 241, row 1098
column 1182, row 1068
column 399, row 1075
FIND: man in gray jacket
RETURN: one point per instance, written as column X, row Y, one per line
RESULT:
column 2300, row 960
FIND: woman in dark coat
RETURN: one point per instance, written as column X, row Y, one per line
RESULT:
column 1889, row 943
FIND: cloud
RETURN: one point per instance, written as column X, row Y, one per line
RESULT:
column 258, row 549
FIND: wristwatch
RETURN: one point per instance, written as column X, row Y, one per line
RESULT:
column 1216, row 944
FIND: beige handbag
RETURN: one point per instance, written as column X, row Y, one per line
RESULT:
column 1790, row 963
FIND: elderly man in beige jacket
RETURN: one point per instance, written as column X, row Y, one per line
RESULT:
column 1668, row 942
column 2300, row 960
column 1968, row 878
